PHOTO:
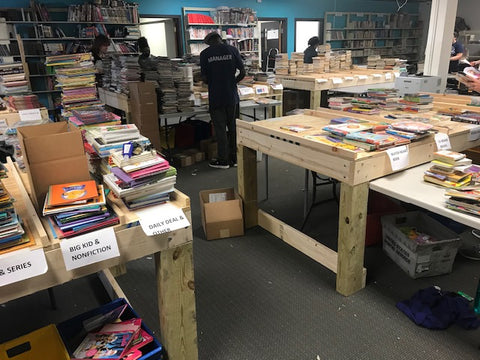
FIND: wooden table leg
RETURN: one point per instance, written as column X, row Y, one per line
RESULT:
column 176, row 302
column 247, row 184
column 315, row 99
column 352, row 224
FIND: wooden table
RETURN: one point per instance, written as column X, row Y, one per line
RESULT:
column 319, row 84
column 353, row 169
column 173, row 266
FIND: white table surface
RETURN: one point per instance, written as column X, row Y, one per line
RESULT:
column 408, row 186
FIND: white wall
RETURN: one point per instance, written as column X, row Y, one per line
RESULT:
column 160, row 36
column 470, row 11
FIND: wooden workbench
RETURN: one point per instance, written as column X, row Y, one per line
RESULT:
column 318, row 83
column 353, row 169
column 173, row 259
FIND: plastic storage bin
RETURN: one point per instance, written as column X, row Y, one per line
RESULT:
column 419, row 259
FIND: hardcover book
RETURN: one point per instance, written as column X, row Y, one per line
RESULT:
column 77, row 192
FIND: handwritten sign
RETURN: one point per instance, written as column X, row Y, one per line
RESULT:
column 443, row 141
column 348, row 78
column 396, row 73
column 474, row 133
column 362, row 77
column 277, row 86
column 322, row 80
column 30, row 115
column 22, row 264
column 376, row 75
column 398, row 157
column 161, row 219
column 388, row 76
column 337, row 80
column 89, row 248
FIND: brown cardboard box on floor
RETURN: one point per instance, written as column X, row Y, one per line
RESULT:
column 222, row 213
column 53, row 154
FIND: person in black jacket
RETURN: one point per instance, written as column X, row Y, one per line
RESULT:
column 99, row 50
column 311, row 50
column 219, row 64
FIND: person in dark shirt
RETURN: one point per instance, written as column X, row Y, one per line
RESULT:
column 311, row 51
column 219, row 64
column 456, row 54
column 99, row 50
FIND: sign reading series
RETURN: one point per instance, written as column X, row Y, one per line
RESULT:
column 161, row 219
column 398, row 157
column 89, row 248
column 22, row 264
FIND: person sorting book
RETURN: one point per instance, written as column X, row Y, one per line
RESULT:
column 311, row 51
column 219, row 64
column 455, row 54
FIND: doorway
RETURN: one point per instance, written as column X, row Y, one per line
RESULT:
column 163, row 35
column 273, row 39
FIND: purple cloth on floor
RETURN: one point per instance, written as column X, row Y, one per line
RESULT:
column 435, row 309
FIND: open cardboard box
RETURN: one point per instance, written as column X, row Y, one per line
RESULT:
column 222, row 213
column 53, row 154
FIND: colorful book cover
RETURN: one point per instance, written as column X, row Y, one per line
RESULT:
column 412, row 126
column 64, row 194
column 379, row 140
column 347, row 128
column 295, row 127
column 448, row 156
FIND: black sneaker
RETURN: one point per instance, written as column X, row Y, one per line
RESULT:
column 219, row 164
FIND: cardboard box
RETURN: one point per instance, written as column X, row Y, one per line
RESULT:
column 415, row 258
column 222, row 213
column 72, row 331
column 44, row 343
column 182, row 160
column 197, row 155
column 53, row 154
column 142, row 91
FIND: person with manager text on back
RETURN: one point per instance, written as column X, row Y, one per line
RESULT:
column 219, row 64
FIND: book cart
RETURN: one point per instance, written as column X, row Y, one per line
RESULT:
column 319, row 84
column 354, row 170
column 173, row 258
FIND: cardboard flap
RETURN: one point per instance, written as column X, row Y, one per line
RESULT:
column 223, row 211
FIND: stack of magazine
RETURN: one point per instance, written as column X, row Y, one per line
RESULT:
column 77, row 208
column 141, row 180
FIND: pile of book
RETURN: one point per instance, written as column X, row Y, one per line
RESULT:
column 416, row 102
column 470, row 117
column 105, row 139
column 12, row 234
column 141, row 180
column 76, row 208
column 12, row 79
column 389, row 98
column 340, row 103
column 23, row 102
column 93, row 116
column 75, row 76
column 463, row 200
column 449, row 169
column 168, row 94
column 408, row 129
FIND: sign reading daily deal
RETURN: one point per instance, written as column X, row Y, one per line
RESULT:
column 22, row 264
column 161, row 219
column 89, row 248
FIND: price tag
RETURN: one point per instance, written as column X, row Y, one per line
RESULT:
column 474, row 133
column 363, row 77
column 322, row 80
column 161, row 219
column 348, row 78
column 89, row 248
column 30, row 115
column 443, row 141
column 337, row 81
column 396, row 73
column 277, row 86
column 388, row 76
column 377, row 75
column 398, row 157
column 22, row 264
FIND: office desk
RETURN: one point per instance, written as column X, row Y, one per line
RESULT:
column 353, row 169
column 173, row 258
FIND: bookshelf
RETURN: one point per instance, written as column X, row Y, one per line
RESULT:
column 62, row 30
column 237, row 26
column 384, row 34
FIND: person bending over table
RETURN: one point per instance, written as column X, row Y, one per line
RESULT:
column 311, row 51
column 219, row 64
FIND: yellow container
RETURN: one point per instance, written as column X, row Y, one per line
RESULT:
column 44, row 343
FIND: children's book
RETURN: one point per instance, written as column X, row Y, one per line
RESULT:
column 295, row 127
column 347, row 128
column 448, row 156
column 379, row 140
column 94, row 202
column 77, row 192
column 412, row 126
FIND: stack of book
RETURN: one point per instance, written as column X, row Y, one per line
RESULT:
column 416, row 102
column 24, row 102
column 75, row 76
column 447, row 169
column 141, row 180
column 389, row 98
column 77, row 208
column 470, row 117
column 467, row 201
column 93, row 116
column 12, row 79
column 366, row 106
column 12, row 234
column 411, row 130
column 340, row 103
column 168, row 94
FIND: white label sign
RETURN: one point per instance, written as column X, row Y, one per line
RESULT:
column 30, row 115
column 161, row 219
column 89, row 248
column 363, row 77
column 277, row 86
column 398, row 157
column 348, row 78
column 443, row 141
column 272, row 34
column 322, row 80
column 474, row 133
column 22, row 264
column 396, row 73
column 337, row 80
column 376, row 75
column 388, row 76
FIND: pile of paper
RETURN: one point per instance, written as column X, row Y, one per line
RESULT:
column 12, row 79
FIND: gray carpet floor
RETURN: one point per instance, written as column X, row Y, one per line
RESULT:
column 258, row 298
